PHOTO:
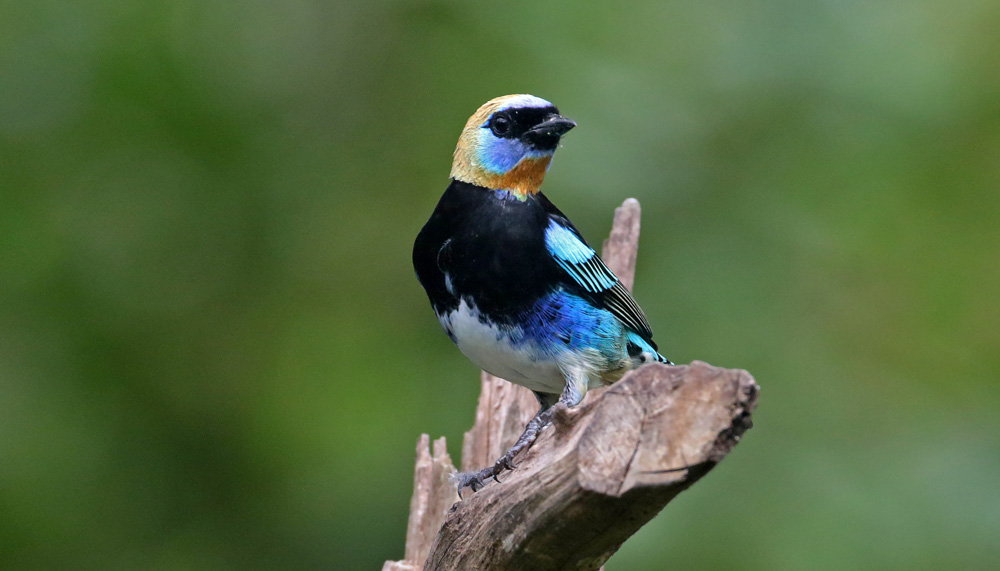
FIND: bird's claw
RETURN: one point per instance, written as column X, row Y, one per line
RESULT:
column 477, row 480
column 472, row 480
column 507, row 462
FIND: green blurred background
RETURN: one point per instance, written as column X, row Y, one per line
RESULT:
column 214, row 353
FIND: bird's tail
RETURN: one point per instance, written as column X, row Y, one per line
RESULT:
column 661, row 359
column 646, row 351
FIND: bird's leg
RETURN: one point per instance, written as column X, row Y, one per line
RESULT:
column 572, row 394
column 476, row 480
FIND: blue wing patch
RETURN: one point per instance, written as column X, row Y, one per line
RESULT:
column 589, row 272
column 578, row 259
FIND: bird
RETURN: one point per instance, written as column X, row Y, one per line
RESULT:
column 513, row 282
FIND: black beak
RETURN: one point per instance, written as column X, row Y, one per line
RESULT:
column 552, row 126
column 545, row 135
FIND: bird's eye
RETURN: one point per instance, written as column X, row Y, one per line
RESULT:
column 500, row 125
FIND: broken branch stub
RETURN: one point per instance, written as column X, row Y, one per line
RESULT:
column 600, row 472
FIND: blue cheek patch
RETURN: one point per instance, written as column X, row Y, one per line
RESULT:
column 498, row 156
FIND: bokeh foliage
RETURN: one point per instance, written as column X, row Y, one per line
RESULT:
column 214, row 354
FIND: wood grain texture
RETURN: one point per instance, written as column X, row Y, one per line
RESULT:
column 600, row 472
column 622, row 246
column 433, row 495
column 503, row 411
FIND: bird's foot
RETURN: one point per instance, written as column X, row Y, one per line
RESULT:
column 476, row 480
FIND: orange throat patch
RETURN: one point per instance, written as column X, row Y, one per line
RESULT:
column 524, row 179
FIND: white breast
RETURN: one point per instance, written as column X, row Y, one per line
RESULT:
column 495, row 351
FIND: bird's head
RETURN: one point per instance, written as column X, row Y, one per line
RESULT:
column 508, row 143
